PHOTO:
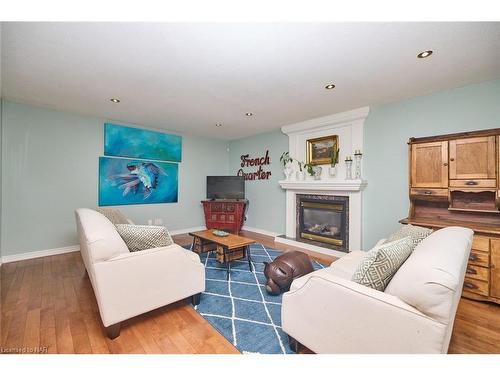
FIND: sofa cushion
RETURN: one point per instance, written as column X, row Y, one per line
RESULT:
column 101, row 240
column 345, row 266
column 416, row 233
column 114, row 215
column 432, row 277
column 381, row 263
column 143, row 237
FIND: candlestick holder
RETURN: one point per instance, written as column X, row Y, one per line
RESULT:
column 357, row 169
column 348, row 168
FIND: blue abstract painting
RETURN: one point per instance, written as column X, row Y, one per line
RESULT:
column 140, row 143
column 130, row 181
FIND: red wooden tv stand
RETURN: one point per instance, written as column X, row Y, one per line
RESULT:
column 226, row 214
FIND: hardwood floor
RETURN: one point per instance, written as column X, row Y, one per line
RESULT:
column 48, row 304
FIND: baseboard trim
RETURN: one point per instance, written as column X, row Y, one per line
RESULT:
column 186, row 230
column 261, row 231
column 39, row 254
column 70, row 249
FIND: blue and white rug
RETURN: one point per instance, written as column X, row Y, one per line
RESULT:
column 240, row 309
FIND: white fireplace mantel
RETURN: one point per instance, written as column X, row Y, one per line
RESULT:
column 324, row 185
column 348, row 126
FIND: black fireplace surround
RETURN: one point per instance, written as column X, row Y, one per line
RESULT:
column 323, row 220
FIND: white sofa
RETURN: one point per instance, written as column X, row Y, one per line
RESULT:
column 129, row 284
column 329, row 313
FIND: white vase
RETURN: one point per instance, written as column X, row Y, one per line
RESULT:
column 300, row 175
column 287, row 171
column 317, row 172
column 332, row 171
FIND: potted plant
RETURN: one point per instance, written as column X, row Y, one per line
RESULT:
column 286, row 161
column 301, row 173
column 314, row 171
column 332, row 170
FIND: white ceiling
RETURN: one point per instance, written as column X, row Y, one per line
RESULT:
column 187, row 77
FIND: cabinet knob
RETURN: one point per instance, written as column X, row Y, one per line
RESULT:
column 452, row 159
column 470, row 285
column 445, row 164
column 471, row 271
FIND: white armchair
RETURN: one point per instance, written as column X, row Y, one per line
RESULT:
column 329, row 313
column 129, row 284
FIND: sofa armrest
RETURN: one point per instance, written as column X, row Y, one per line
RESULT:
column 329, row 314
column 134, row 283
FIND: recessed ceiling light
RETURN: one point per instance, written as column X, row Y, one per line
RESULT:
column 218, row 125
column 114, row 100
column 330, row 86
column 424, row 54
column 249, row 114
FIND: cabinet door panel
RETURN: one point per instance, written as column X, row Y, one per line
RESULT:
column 429, row 165
column 495, row 268
column 473, row 158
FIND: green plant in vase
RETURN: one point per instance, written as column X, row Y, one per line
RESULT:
column 301, row 173
column 286, row 162
column 313, row 170
column 332, row 171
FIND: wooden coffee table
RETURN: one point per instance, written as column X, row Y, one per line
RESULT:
column 228, row 248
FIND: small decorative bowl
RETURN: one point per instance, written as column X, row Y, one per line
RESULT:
column 220, row 233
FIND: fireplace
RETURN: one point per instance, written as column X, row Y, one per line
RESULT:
column 322, row 220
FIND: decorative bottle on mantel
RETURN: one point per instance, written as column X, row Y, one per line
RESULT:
column 357, row 169
column 348, row 168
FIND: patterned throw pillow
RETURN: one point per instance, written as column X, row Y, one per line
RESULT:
column 114, row 215
column 380, row 264
column 143, row 237
column 416, row 233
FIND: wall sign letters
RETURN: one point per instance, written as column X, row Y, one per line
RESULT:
column 260, row 174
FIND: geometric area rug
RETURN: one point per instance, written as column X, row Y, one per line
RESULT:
column 240, row 309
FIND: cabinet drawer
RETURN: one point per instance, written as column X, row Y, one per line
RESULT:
column 476, row 286
column 441, row 193
column 477, row 273
column 479, row 258
column 222, row 217
column 217, row 207
column 481, row 243
column 491, row 183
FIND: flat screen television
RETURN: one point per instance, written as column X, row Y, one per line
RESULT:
column 225, row 187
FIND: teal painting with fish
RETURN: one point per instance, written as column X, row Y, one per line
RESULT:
column 138, row 143
column 130, row 181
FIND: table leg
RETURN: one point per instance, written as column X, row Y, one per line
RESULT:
column 228, row 263
column 192, row 245
column 247, row 251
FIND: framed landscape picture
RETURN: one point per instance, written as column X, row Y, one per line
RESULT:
column 138, row 143
column 320, row 150
column 130, row 181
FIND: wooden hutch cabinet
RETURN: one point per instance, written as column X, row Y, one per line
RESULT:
column 431, row 165
column 454, row 180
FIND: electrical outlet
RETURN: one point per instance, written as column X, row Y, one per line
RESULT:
column 150, row 222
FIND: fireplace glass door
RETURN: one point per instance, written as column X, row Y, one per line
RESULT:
column 323, row 221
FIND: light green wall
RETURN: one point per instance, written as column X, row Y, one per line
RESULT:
column 50, row 168
column 267, row 200
column 387, row 130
